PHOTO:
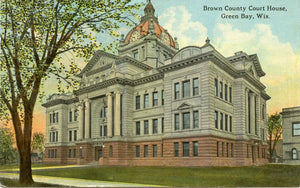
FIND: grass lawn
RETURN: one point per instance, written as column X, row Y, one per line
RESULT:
column 15, row 183
column 261, row 176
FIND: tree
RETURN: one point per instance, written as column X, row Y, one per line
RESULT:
column 274, row 132
column 38, row 142
column 34, row 35
column 7, row 152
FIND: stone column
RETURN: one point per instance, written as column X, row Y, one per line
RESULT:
column 117, row 129
column 87, row 119
column 80, row 122
column 109, row 114
column 246, row 111
column 252, row 112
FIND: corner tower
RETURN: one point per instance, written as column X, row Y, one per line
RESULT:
column 148, row 42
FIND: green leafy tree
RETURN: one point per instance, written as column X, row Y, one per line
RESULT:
column 38, row 142
column 34, row 35
column 7, row 152
column 274, row 132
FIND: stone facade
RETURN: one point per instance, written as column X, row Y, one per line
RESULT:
column 291, row 135
column 156, row 105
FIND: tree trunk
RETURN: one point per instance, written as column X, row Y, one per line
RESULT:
column 25, row 175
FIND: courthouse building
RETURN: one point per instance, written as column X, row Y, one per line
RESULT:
column 291, row 134
column 153, row 104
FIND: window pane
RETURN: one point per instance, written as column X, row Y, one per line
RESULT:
column 186, row 120
column 146, row 101
column 176, row 147
column 216, row 87
column 221, row 121
column 155, row 99
column 195, row 119
column 230, row 94
column 137, row 102
column 221, row 90
column 216, row 120
column 155, row 126
column 75, row 115
column 146, row 128
column 195, row 148
column 226, row 122
column 177, row 95
column 154, row 150
column 176, row 121
column 105, row 112
column 186, row 149
column 137, row 151
column 70, row 116
column 138, row 124
column 296, row 129
column 146, row 151
column 226, row 96
column 186, row 89
column 195, row 86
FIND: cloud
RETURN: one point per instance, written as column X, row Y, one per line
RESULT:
column 278, row 60
column 177, row 20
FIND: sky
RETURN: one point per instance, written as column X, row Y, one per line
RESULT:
column 275, row 39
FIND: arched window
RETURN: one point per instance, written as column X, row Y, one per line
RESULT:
column 294, row 154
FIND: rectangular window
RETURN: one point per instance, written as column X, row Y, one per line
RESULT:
column 105, row 112
column 195, row 148
column 176, row 149
column 75, row 115
column 75, row 135
column 230, row 94
column 70, row 116
column 137, row 128
column 137, row 151
column 154, row 150
column 186, row 120
column 230, row 123
column 50, row 118
column 137, row 102
column 162, row 125
column 155, row 99
column 186, row 149
column 155, row 126
column 105, row 131
column 221, row 121
column 216, row 120
column 195, row 86
column 226, row 92
column 186, row 89
column 195, row 119
column 56, row 139
column 146, row 127
column 70, row 136
column 296, row 129
column 74, row 153
column 101, row 131
column 177, row 92
column 216, row 87
column 162, row 98
column 146, row 151
column 56, row 117
column 53, row 118
column 110, row 151
column 70, row 153
column 146, row 101
column 176, row 121
column 226, row 122
column 221, row 90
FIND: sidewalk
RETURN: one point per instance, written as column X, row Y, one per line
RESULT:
column 74, row 182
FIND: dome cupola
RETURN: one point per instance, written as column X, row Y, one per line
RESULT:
column 149, row 26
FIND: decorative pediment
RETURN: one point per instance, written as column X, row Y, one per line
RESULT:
column 184, row 106
column 100, row 60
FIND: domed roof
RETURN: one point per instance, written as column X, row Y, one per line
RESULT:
column 149, row 24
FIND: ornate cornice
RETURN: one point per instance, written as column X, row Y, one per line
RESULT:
column 60, row 101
